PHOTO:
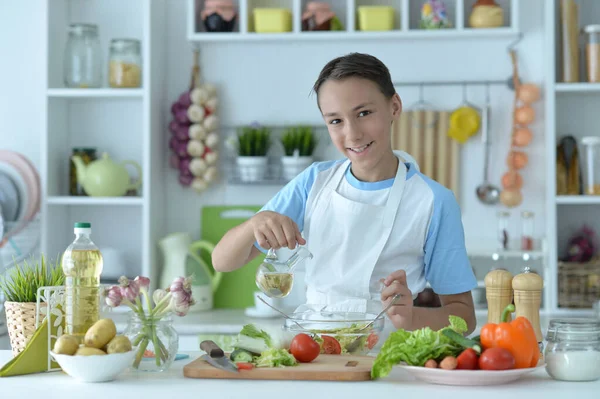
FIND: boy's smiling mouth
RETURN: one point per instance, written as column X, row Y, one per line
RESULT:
column 360, row 149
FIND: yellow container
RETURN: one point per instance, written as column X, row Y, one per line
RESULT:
column 375, row 18
column 272, row 20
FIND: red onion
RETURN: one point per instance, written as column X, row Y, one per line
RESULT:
column 184, row 164
column 182, row 132
column 173, row 125
column 180, row 148
column 182, row 117
column 176, row 107
column 184, row 99
column 185, row 180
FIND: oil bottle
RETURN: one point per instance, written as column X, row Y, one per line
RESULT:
column 82, row 265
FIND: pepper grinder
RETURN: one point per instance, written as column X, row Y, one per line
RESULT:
column 527, row 288
column 498, row 293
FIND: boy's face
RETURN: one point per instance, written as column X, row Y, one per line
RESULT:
column 359, row 118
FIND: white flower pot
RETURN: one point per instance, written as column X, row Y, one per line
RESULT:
column 293, row 166
column 252, row 168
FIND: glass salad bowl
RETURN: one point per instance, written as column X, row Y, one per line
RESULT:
column 337, row 332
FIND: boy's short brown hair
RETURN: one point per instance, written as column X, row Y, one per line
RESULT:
column 360, row 66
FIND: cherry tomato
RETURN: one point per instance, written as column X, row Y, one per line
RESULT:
column 372, row 340
column 496, row 359
column 304, row 348
column 331, row 346
column 244, row 366
column 467, row 360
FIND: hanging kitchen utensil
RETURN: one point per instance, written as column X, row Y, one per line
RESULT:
column 486, row 192
column 465, row 120
column 418, row 111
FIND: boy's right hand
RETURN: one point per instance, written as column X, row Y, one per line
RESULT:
column 274, row 230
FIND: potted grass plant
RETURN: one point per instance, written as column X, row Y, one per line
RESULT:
column 299, row 143
column 254, row 142
column 19, row 285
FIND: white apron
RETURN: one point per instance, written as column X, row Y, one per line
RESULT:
column 347, row 239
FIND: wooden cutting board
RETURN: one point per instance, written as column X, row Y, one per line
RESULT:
column 323, row 368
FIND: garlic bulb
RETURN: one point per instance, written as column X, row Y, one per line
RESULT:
column 195, row 148
column 198, row 166
column 210, row 89
column 211, row 157
column 211, row 104
column 199, row 184
column 197, row 132
column 212, row 140
column 199, row 96
column 210, row 123
column 210, row 174
column 195, row 113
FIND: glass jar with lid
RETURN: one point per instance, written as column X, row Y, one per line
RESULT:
column 527, row 231
column 592, row 164
column 592, row 52
column 82, row 63
column 125, row 63
column 573, row 349
column 503, row 238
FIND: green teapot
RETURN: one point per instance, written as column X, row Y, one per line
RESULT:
column 104, row 177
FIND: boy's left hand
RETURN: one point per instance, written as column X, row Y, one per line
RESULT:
column 401, row 313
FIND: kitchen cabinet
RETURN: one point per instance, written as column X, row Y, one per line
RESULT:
column 126, row 123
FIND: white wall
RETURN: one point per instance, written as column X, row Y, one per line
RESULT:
column 277, row 93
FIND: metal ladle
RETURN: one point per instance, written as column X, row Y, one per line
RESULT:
column 486, row 191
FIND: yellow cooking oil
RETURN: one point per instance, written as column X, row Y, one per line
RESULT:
column 82, row 265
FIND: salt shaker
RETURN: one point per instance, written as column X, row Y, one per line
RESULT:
column 527, row 288
column 499, row 293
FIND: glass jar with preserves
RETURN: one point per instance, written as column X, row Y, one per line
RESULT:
column 87, row 155
column 573, row 349
column 527, row 231
column 125, row 63
column 592, row 52
column 82, row 64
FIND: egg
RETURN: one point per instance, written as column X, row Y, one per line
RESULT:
column 512, row 180
column 511, row 198
column 524, row 115
column 522, row 137
column 517, row 160
column 528, row 93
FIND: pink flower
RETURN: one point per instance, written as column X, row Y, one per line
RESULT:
column 143, row 282
column 113, row 296
column 129, row 289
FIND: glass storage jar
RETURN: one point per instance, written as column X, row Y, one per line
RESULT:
column 125, row 63
column 155, row 341
column 82, row 63
column 592, row 165
column 592, row 52
column 527, row 231
column 503, row 237
column 573, row 349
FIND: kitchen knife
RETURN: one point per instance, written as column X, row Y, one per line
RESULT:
column 216, row 357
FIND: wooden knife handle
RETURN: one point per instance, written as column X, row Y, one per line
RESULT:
column 211, row 348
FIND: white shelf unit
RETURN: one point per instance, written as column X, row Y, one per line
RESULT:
column 128, row 124
column 565, row 214
column 406, row 21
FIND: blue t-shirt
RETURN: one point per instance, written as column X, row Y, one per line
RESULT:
column 446, row 265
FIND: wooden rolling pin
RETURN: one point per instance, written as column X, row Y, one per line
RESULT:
column 527, row 288
column 499, row 294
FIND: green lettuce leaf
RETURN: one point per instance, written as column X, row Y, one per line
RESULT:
column 251, row 331
column 416, row 347
column 275, row 358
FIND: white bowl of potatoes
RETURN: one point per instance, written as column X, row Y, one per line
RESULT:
column 102, row 356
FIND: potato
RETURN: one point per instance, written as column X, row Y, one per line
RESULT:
column 431, row 363
column 100, row 334
column 66, row 345
column 449, row 363
column 87, row 351
column 119, row 344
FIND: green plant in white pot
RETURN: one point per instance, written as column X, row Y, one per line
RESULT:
column 298, row 144
column 253, row 144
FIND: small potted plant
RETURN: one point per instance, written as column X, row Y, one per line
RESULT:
column 298, row 144
column 19, row 286
column 253, row 144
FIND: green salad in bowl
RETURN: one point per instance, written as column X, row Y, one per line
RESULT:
column 338, row 332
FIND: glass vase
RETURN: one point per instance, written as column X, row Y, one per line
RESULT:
column 155, row 341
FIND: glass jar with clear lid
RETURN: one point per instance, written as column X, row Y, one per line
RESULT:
column 592, row 52
column 573, row 349
column 82, row 63
column 591, row 145
column 125, row 63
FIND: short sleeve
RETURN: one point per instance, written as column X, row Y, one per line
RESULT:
column 447, row 266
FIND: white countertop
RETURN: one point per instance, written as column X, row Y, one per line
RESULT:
column 172, row 384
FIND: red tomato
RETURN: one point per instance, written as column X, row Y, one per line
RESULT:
column 331, row 346
column 467, row 360
column 244, row 366
column 372, row 340
column 304, row 348
column 496, row 359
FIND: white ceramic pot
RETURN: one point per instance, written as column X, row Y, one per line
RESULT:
column 252, row 168
column 293, row 166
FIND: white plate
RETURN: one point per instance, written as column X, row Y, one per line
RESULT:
column 253, row 312
column 9, row 198
column 21, row 185
column 467, row 377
